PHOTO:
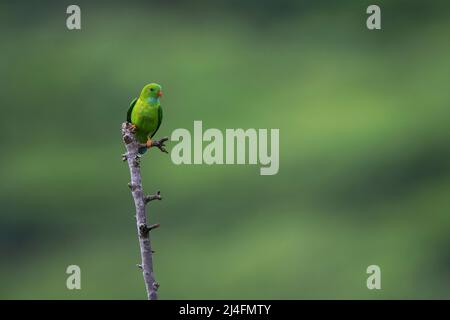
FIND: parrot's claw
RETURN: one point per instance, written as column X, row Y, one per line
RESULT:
column 133, row 128
column 149, row 143
column 160, row 144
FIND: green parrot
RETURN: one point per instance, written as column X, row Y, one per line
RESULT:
column 145, row 114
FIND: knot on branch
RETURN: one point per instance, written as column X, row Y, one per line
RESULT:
column 144, row 229
column 151, row 197
column 132, row 186
column 137, row 160
column 127, row 133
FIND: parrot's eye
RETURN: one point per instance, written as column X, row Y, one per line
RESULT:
column 151, row 89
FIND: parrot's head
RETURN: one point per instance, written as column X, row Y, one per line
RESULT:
column 152, row 90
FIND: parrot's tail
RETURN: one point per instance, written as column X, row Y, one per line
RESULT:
column 142, row 150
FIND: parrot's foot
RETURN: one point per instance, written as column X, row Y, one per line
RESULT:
column 133, row 128
column 149, row 143
column 159, row 144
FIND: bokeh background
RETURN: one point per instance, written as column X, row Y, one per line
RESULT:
column 364, row 149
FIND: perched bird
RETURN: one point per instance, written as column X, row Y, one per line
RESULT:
column 145, row 114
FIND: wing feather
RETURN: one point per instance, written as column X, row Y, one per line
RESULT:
column 130, row 109
column 160, row 116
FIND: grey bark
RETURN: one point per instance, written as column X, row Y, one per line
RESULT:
column 140, row 200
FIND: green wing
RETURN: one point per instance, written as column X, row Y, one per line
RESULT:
column 130, row 109
column 160, row 115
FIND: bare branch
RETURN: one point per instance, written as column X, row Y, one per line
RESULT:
column 133, row 157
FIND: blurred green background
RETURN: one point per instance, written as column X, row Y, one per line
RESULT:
column 364, row 149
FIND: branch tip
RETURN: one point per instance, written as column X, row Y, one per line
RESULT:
column 154, row 226
column 144, row 229
column 151, row 197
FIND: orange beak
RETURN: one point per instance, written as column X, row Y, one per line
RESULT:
column 160, row 94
